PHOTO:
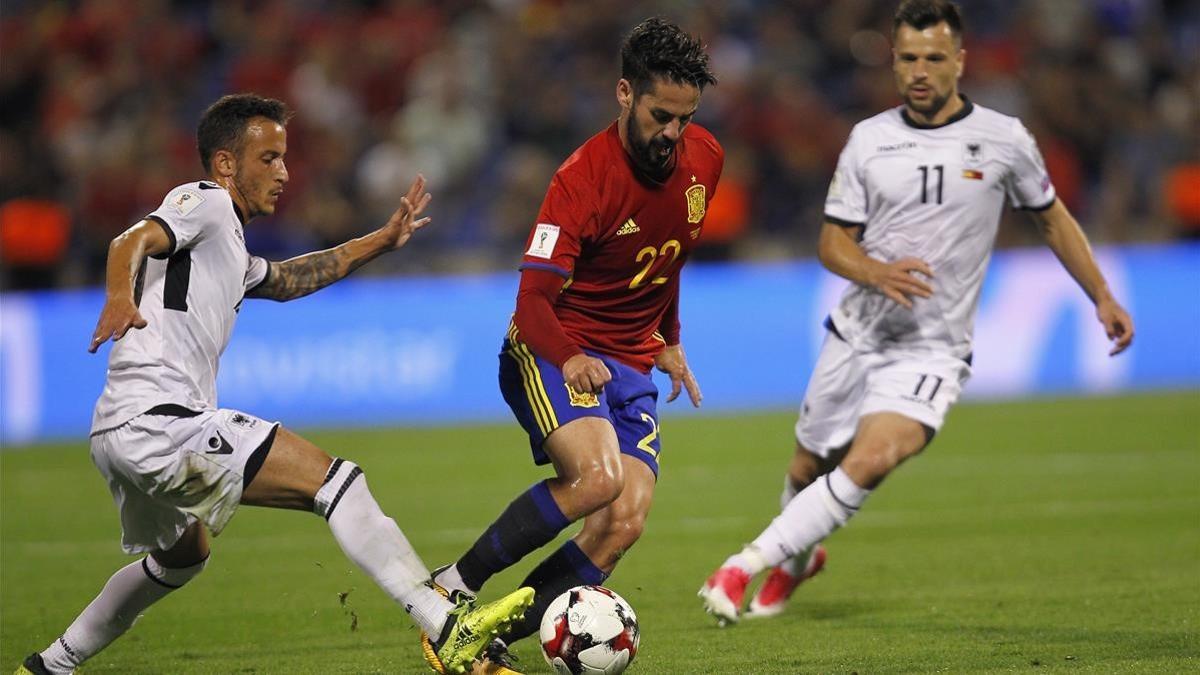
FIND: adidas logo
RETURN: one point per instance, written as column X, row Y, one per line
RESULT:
column 628, row 228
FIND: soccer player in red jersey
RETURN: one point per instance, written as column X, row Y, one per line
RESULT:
column 598, row 307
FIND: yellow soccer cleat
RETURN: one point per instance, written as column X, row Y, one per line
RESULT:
column 470, row 629
column 484, row 665
column 33, row 665
column 496, row 660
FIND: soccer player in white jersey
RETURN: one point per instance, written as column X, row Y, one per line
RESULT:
column 910, row 219
column 176, row 463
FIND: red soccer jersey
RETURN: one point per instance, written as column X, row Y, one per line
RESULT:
column 619, row 240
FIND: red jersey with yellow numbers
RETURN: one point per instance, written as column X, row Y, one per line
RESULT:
column 619, row 240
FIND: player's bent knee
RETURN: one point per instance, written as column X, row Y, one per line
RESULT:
column 876, row 459
column 603, row 486
column 171, row 577
column 871, row 465
column 338, row 478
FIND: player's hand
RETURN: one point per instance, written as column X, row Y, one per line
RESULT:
column 899, row 281
column 672, row 361
column 1117, row 324
column 586, row 374
column 400, row 227
column 117, row 317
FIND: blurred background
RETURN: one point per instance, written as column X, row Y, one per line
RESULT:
column 99, row 101
column 1064, row 519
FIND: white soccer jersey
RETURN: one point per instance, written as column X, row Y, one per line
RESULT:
column 934, row 193
column 189, row 297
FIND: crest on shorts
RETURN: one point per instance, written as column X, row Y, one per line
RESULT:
column 581, row 399
column 244, row 421
column 695, row 203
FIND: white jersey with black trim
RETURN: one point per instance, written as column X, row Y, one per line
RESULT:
column 190, row 297
column 934, row 193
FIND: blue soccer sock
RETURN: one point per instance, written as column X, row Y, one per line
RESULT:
column 566, row 568
column 531, row 521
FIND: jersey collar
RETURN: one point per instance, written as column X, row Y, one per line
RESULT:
column 210, row 185
column 967, row 108
column 241, row 217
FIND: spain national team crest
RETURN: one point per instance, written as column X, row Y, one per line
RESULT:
column 581, row 400
column 695, row 203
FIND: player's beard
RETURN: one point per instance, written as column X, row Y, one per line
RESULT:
column 255, row 204
column 930, row 108
column 645, row 153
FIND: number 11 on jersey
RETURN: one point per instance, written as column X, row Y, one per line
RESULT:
column 925, row 171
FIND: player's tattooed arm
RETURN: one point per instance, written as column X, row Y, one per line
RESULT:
column 302, row 275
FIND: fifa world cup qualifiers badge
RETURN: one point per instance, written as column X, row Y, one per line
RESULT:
column 545, row 236
column 186, row 201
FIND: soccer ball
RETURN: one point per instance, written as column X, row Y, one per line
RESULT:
column 589, row 629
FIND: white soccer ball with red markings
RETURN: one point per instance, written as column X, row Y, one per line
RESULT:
column 589, row 629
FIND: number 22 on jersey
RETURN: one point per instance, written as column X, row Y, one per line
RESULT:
column 650, row 254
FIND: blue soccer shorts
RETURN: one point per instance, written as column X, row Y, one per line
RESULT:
column 542, row 402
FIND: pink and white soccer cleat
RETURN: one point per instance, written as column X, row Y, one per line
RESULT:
column 780, row 584
column 724, row 592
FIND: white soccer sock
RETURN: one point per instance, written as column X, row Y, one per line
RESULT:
column 796, row 564
column 126, row 595
column 812, row 515
column 375, row 543
column 451, row 580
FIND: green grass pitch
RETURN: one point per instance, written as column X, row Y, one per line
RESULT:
column 1042, row 536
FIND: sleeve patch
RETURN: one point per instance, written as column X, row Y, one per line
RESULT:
column 185, row 201
column 545, row 236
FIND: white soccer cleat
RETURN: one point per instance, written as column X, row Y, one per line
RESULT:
column 780, row 584
column 724, row 592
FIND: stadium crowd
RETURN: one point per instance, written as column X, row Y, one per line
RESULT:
column 99, row 101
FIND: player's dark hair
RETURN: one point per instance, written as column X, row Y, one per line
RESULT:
column 223, row 125
column 657, row 48
column 921, row 14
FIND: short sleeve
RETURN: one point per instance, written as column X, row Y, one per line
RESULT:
column 566, row 218
column 1028, row 183
column 846, row 201
column 185, row 214
column 257, row 272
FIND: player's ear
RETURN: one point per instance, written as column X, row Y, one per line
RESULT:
column 625, row 94
column 224, row 163
column 961, row 61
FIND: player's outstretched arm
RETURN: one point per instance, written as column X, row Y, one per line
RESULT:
column 840, row 253
column 1064, row 236
column 302, row 275
column 672, row 361
column 125, row 255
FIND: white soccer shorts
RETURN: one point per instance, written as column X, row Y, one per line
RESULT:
column 847, row 384
column 168, row 470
